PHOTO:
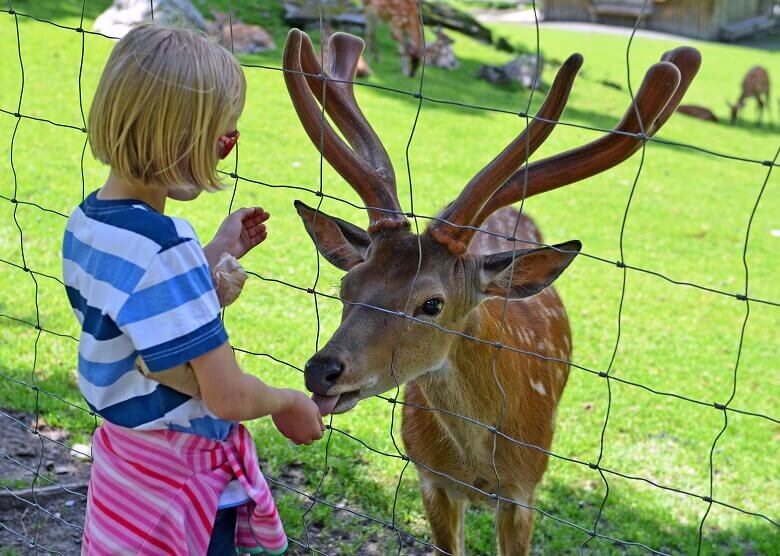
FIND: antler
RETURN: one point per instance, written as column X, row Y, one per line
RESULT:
column 364, row 163
column 476, row 193
column 662, row 89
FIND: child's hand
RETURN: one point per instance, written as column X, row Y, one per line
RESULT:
column 300, row 421
column 239, row 233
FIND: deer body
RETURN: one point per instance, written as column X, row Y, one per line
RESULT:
column 403, row 18
column 466, row 386
column 755, row 85
column 428, row 310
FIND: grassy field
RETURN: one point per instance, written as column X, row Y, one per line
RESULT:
column 688, row 221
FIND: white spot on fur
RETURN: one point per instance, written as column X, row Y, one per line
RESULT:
column 539, row 387
column 567, row 342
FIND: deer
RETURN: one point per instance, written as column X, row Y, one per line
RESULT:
column 755, row 84
column 403, row 18
column 463, row 314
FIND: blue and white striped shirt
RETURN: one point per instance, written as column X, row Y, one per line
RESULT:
column 139, row 284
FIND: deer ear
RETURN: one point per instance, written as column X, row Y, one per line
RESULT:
column 534, row 270
column 343, row 244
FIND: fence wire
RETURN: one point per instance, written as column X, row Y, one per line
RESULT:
column 29, row 497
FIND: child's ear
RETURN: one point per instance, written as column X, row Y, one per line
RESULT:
column 343, row 244
column 533, row 270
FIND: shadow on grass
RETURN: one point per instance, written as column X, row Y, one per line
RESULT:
column 629, row 516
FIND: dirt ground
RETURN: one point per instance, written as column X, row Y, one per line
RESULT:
column 48, row 518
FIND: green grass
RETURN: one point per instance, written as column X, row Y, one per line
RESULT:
column 687, row 220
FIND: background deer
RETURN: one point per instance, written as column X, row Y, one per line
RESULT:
column 448, row 279
column 756, row 85
column 403, row 18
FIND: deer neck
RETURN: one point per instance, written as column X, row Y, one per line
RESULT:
column 465, row 383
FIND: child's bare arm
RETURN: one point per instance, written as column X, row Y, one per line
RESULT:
column 233, row 395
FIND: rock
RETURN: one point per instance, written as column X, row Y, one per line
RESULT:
column 243, row 37
column 122, row 15
column 64, row 469
column 439, row 53
column 81, row 452
column 523, row 70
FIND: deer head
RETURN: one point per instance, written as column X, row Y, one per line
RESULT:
column 373, row 349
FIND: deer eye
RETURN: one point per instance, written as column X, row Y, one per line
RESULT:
column 433, row 306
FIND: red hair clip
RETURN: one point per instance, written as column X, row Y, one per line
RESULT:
column 225, row 144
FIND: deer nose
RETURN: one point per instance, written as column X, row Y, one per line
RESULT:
column 322, row 373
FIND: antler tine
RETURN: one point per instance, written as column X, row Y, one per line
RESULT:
column 477, row 192
column 383, row 207
column 688, row 61
column 342, row 107
column 658, row 88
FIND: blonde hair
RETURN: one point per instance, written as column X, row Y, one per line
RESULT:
column 165, row 97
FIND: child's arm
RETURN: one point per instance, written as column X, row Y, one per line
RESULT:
column 233, row 395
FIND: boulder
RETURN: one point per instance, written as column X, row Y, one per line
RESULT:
column 122, row 15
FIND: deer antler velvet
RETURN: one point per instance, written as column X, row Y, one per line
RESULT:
column 364, row 163
column 661, row 91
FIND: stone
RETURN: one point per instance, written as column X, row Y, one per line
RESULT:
column 122, row 15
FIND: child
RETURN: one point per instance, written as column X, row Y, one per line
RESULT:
column 172, row 474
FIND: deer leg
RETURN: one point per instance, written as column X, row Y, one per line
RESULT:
column 760, row 109
column 399, row 37
column 445, row 515
column 515, row 524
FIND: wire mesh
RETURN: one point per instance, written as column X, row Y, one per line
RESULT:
column 404, row 537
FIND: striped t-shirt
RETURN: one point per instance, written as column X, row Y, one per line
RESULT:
column 139, row 283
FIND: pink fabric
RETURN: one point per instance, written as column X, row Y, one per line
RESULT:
column 156, row 492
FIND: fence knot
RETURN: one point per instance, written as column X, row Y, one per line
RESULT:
column 707, row 499
column 720, row 406
column 11, row 11
column 741, row 297
column 17, row 115
column 492, row 429
column 523, row 114
column 594, row 466
column 14, row 201
column 84, row 130
column 498, row 345
column 79, row 29
column 768, row 163
column 404, row 457
column 409, row 214
column 417, row 95
column 620, row 264
column 309, row 290
column 233, row 175
column 603, row 374
column 592, row 533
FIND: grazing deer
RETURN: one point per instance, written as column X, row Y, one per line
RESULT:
column 403, row 18
column 414, row 304
column 755, row 84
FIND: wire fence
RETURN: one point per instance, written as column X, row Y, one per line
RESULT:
column 42, row 482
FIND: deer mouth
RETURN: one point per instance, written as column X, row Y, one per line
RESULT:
column 337, row 403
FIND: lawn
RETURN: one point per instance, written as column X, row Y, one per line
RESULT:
column 687, row 221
